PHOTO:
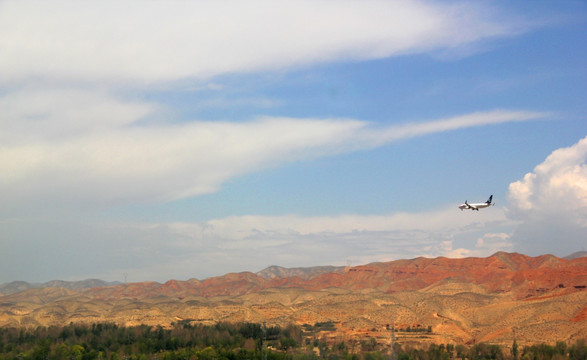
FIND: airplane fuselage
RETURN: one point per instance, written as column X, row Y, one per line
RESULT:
column 476, row 206
column 473, row 206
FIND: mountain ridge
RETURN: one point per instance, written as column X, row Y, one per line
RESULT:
column 17, row 286
column 271, row 272
column 306, row 273
column 536, row 299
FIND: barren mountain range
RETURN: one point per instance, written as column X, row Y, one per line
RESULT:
column 493, row 299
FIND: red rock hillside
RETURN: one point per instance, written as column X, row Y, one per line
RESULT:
column 493, row 299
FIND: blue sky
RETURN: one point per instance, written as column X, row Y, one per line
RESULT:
column 177, row 140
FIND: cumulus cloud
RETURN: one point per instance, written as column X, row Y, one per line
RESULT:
column 551, row 203
column 139, row 42
column 558, row 184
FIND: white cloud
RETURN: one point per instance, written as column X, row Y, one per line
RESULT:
column 488, row 244
column 86, row 148
column 83, row 142
column 292, row 240
column 249, row 243
column 551, row 202
column 70, row 134
column 144, row 42
column 557, row 185
column 246, row 226
column 41, row 115
column 494, row 242
column 454, row 123
column 233, row 244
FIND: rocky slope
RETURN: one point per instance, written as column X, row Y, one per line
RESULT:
column 302, row 272
column 493, row 299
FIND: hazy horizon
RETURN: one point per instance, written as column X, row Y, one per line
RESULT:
column 123, row 281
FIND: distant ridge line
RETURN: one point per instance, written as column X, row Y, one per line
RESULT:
column 576, row 255
column 18, row 286
column 273, row 272
column 461, row 300
column 305, row 273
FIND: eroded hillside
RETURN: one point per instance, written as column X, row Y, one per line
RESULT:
column 493, row 299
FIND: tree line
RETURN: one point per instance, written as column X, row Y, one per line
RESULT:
column 241, row 341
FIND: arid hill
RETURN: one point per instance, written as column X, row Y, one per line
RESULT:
column 18, row 286
column 493, row 299
column 302, row 272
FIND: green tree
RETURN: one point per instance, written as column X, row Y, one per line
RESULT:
column 287, row 343
column 369, row 345
column 515, row 350
column 461, row 351
column 77, row 352
column 485, row 352
column 42, row 350
column 578, row 351
column 561, row 348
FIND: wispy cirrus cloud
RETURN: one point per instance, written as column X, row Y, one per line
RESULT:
column 67, row 152
column 72, row 131
column 164, row 41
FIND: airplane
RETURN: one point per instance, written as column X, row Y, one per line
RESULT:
column 477, row 206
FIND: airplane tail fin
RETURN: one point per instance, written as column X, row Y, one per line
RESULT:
column 490, row 199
